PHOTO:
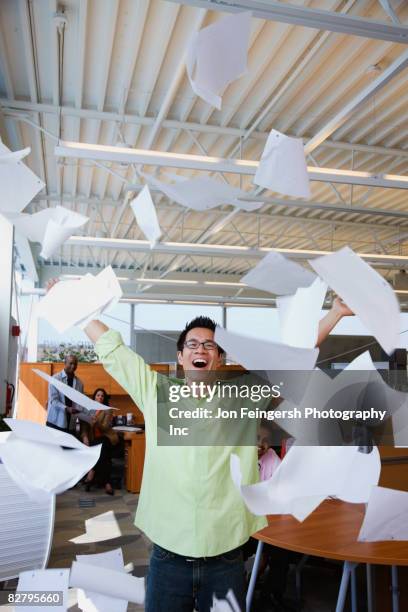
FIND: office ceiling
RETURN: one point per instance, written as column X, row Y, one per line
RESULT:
column 112, row 72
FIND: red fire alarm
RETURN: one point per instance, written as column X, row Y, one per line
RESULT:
column 15, row 330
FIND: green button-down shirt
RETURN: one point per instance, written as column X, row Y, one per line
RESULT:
column 188, row 503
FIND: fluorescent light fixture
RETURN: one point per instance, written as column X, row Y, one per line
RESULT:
column 166, row 281
column 140, row 300
column 224, row 284
column 80, row 150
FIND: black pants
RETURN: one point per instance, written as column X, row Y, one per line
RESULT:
column 103, row 466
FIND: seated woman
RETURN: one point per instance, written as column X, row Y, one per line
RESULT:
column 100, row 432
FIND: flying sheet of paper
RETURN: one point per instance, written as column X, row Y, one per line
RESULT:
column 217, row 55
column 18, row 185
column 277, row 274
column 146, row 216
column 64, row 468
column 51, row 227
column 255, row 354
column 299, row 315
column 202, row 193
column 346, row 392
column 112, row 583
column 99, row 528
column 28, row 430
column 70, row 302
column 282, row 167
column 90, row 601
column 46, row 580
column 229, row 604
column 76, row 396
column 14, row 156
column 367, row 293
column 309, row 474
column 386, row 516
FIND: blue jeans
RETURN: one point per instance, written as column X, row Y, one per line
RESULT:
column 179, row 584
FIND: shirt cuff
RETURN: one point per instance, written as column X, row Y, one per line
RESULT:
column 108, row 342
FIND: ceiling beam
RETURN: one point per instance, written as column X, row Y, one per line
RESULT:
column 400, row 64
column 220, row 250
column 309, row 18
column 13, row 108
column 78, row 150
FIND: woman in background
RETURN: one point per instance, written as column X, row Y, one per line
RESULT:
column 100, row 431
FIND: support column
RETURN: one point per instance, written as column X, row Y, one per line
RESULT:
column 132, row 328
column 6, row 284
column 224, row 317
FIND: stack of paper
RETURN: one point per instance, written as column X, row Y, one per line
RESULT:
column 51, row 582
column 75, row 302
column 386, row 516
column 146, row 215
column 365, row 291
column 283, row 166
column 277, row 274
column 99, row 528
column 309, row 474
column 18, row 185
column 217, row 55
column 31, row 447
column 51, row 227
column 202, row 193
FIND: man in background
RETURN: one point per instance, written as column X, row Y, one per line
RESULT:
column 61, row 410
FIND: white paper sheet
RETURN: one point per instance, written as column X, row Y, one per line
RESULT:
column 44, row 580
column 300, row 314
column 107, row 582
column 28, row 430
column 18, row 185
column 282, row 167
column 386, row 516
column 229, row 604
column 51, row 227
column 14, row 156
column 367, row 293
column 217, row 55
column 146, row 217
column 90, row 601
column 50, row 469
column 309, row 474
column 255, row 354
column 99, row 528
column 277, row 274
column 202, row 193
column 76, row 396
column 70, row 302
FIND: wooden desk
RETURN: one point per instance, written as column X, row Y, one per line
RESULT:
column 331, row 532
column 135, row 445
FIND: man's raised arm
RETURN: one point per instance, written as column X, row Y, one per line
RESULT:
column 95, row 329
column 338, row 310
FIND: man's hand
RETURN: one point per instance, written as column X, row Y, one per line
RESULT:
column 50, row 284
column 340, row 308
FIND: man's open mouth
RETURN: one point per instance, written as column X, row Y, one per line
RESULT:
column 199, row 363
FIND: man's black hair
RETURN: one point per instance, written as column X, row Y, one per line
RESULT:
column 205, row 322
